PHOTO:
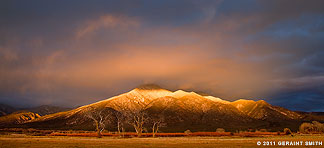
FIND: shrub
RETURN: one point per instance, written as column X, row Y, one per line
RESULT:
column 305, row 128
column 318, row 127
column 263, row 130
column 314, row 127
column 187, row 132
column 220, row 130
column 287, row 131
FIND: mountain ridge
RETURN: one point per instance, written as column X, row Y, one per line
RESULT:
column 6, row 109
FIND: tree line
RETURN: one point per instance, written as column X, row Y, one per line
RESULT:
column 101, row 117
column 137, row 118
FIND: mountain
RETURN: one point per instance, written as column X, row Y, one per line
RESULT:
column 264, row 111
column 17, row 118
column 6, row 109
column 11, row 117
column 41, row 110
column 47, row 109
column 312, row 116
column 181, row 110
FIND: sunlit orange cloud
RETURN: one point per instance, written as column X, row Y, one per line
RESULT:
column 189, row 57
column 175, row 67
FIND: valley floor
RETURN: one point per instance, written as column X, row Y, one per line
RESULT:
column 13, row 141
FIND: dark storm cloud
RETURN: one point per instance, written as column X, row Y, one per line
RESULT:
column 62, row 52
column 310, row 99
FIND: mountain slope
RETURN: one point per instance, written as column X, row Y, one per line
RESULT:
column 197, row 113
column 263, row 110
column 47, row 109
column 17, row 118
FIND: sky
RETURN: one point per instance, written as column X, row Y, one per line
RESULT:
column 76, row 52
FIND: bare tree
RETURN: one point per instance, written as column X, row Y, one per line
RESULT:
column 135, row 117
column 121, row 119
column 137, row 120
column 157, row 122
column 100, row 117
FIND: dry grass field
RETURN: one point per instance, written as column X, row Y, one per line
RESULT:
column 23, row 141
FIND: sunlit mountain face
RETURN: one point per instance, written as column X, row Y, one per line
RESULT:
column 73, row 53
